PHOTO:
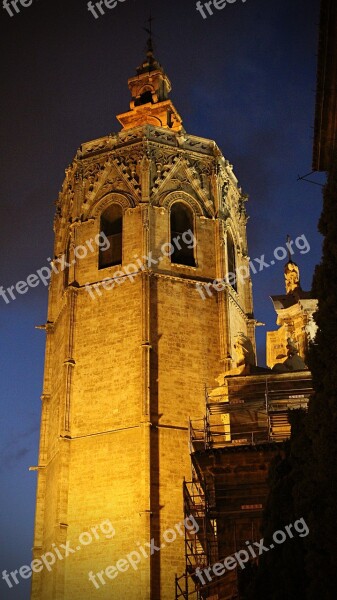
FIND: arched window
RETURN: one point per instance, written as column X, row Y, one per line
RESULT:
column 145, row 97
column 182, row 235
column 231, row 261
column 112, row 227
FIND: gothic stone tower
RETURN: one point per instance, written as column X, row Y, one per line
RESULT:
column 128, row 358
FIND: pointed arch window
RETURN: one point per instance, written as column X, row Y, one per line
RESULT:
column 112, row 227
column 182, row 234
column 231, row 260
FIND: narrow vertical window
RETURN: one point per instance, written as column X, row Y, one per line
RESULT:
column 66, row 267
column 231, row 259
column 182, row 235
column 112, row 227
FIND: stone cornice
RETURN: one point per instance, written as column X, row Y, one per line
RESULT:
column 159, row 135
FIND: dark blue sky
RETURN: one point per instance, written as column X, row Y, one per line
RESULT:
column 245, row 77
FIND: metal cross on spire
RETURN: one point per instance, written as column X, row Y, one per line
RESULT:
column 150, row 39
column 149, row 29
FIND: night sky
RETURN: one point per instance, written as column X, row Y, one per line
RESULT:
column 245, row 77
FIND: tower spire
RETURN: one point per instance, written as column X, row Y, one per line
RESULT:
column 150, row 88
column 150, row 63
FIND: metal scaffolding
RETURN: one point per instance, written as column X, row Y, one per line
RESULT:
column 246, row 411
column 256, row 415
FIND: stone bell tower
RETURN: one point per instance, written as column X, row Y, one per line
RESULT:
column 136, row 329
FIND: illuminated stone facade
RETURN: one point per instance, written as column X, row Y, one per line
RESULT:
column 126, row 367
column 295, row 317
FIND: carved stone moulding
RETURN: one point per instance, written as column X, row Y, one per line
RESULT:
column 181, row 196
column 124, row 200
column 96, row 146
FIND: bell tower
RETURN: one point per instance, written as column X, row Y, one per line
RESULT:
column 150, row 227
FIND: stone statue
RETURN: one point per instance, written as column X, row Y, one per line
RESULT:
column 245, row 356
column 293, row 362
column 292, row 277
column 245, row 362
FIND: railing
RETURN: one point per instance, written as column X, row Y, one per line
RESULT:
column 216, row 438
column 251, row 436
column 200, row 546
column 186, row 588
column 197, row 432
column 270, row 388
column 253, row 412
